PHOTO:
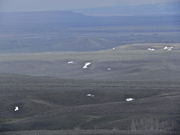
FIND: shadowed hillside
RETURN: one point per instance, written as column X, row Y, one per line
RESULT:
column 53, row 104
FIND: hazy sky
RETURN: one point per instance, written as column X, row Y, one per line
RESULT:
column 36, row 5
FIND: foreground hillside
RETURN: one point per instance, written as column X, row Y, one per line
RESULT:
column 129, row 62
column 84, row 107
column 89, row 132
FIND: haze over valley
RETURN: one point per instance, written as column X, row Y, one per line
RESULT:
column 89, row 68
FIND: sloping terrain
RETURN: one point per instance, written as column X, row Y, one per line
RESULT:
column 150, row 61
column 46, row 103
column 70, row 31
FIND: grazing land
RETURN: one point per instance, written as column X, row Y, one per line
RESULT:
column 127, row 62
column 67, row 73
column 46, row 103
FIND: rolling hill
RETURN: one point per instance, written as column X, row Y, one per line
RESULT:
column 50, row 106
column 100, row 71
column 127, row 90
column 128, row 62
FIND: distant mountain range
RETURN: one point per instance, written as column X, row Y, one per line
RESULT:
column 170, row 8
column 69, row 18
